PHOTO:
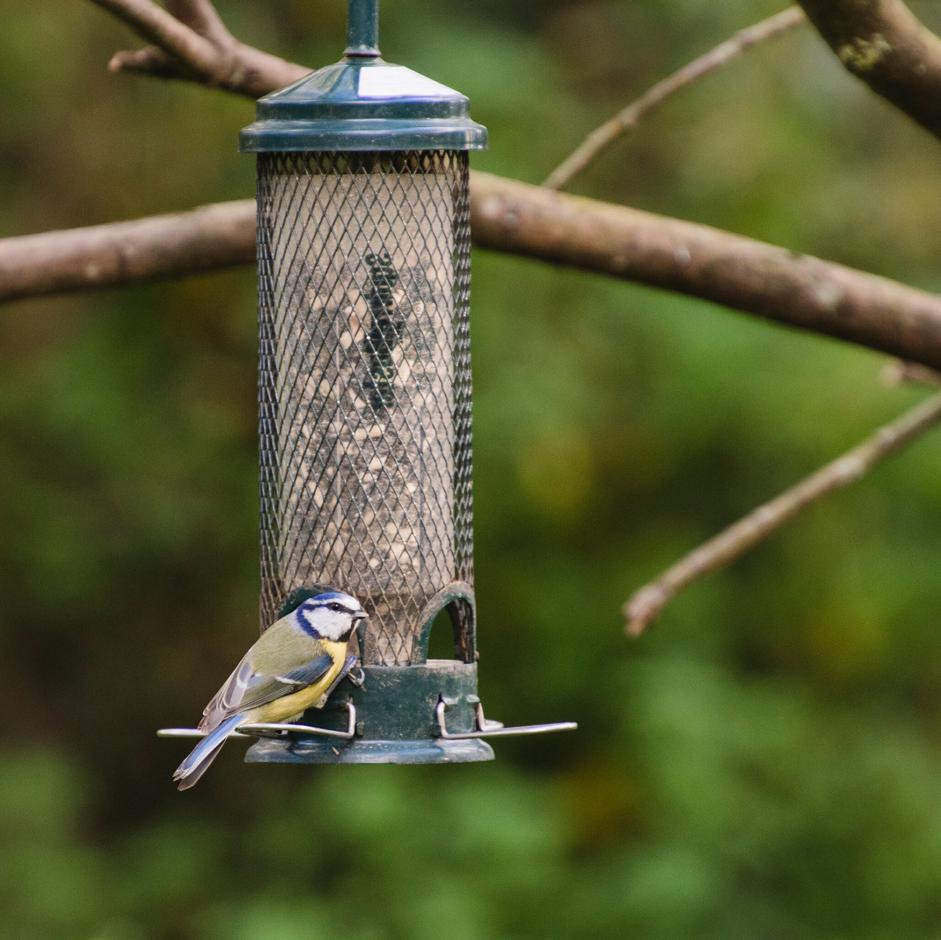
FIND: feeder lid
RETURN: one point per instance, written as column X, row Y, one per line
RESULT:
column 363, row 103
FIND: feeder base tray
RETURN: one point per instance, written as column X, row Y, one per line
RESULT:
column 312, row 751
column 393, row 722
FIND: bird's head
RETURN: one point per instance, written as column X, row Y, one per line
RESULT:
column 332, row 615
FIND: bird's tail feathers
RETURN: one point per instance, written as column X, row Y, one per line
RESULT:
column 199, row 759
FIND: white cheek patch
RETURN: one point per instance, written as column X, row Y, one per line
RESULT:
column 332, row 624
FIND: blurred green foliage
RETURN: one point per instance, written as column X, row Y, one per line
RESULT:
column 764, row 764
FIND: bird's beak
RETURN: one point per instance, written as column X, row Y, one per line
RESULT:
column 362, row 615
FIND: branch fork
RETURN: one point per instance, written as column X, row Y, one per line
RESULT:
column 190, row 41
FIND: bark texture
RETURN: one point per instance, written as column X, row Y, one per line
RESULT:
column 792, row 289
column 885, row 45
column 171, row 245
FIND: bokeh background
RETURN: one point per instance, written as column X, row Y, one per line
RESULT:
column 766, row 762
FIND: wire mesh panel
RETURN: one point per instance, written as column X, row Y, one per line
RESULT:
column 365, row 421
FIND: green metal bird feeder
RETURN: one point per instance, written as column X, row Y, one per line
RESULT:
column 365, row 395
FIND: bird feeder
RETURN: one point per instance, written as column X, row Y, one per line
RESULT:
column 365, row 395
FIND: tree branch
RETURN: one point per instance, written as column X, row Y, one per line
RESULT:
column 899, row 372
column 693, row 259
column 191, row 42
column 177, row 244
column 155, row 24
column 201, row 16
column 627, row 119
column 646, row 604
column 792, row 289
column 885, row 45
column 517, row 218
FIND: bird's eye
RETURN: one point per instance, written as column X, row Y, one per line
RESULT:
column 336, row 607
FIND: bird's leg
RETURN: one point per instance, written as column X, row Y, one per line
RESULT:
column 357, row 676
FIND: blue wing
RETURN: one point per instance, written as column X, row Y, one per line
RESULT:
column 247, row 689
column 306, row 675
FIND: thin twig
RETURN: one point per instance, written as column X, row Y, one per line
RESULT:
column 150, row 61
column 900, row 372
column 602, row 137
column 643, row 607
column 202, row 16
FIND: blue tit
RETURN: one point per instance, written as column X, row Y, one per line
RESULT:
column 291, row 667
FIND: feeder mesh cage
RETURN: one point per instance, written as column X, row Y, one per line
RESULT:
column 365, row 383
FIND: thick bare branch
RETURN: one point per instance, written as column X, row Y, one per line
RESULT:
column 883, row 43
column 182, row 243
column 517, row 218
column 645, row 605
column 792, row 289
column 627, row 119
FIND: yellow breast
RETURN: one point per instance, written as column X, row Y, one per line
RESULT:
column 290, row 706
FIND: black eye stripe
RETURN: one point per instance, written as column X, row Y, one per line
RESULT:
column 335, row 606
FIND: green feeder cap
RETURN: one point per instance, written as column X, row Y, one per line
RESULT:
column 363, row 103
